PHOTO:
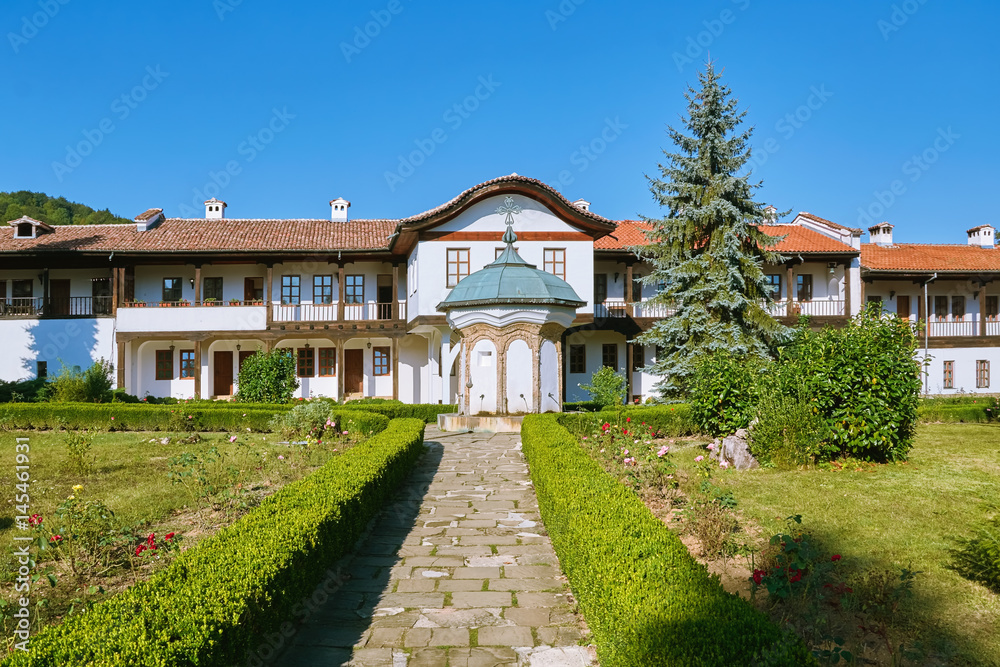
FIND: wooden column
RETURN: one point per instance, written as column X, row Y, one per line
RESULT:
column 395, row 363
column 115, row 292
column 120, row 364
column 197, row 284
column 197, row 369
column 268, row 310
column 340, row 370
column 628, row 289
column 847, row 289
column 863, row 304
column 340, row 295
column 789, row 279
column 395, row 290
column 982, row 310
column 629, row 353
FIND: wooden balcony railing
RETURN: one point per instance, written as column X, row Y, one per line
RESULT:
column 353, row 312
column 54, row 307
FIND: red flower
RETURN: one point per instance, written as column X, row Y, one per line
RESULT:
column 168, row 536
column 795, row 577
column 55, row 538
column 628, row 419
column 835, row 557
column 151, row 540
column 758, row 576
column 139, row 549
column 624, row 431
column 35, row 520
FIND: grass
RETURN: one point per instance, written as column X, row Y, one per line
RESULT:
column 129, row 474
column 889, row 517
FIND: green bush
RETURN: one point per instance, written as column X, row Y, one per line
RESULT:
column 582, row 406
column 267, row 377
column 724, row 392
column 789, row 430
column 647, row 601
column 216, row 602
column 668, row 421
column 978, row 558
column 89, row 386
column 957, row 413
column 127, row 417
column 23, row 391
column 427, row 411
column 607, row 387
column 306, row 419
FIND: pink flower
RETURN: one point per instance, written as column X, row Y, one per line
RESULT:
column 698, row 458
column 232, row 438
column 724, row 464
column 663, row 451
column 280, row 457
column 345, row 432
column 112, row 419
column 711, row 446
column 625, row 453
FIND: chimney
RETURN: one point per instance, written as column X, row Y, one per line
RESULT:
column 338, row 211
column 582, row 204
column 215, row 209
column 981, row 236
column 881, row 234
column 148, row 219
column 770, row 215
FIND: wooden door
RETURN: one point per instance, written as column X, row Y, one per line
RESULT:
column 903, row 307
column 223, row 375
column 59, row 297
column 354, row 371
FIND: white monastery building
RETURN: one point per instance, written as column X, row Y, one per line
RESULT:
column 177, row 304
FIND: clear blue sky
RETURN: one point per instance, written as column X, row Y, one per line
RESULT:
column 184, row 86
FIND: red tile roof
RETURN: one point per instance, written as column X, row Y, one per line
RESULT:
column 924, row 257
column 226, row 235
column 797, row 239
column 835, row 225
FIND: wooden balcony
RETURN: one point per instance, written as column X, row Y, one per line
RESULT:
column 39, row 307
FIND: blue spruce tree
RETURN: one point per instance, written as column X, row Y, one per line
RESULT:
column 708, row 252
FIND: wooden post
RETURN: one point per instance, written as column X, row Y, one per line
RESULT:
column 395, row 366
column 789, row 292
column 197, row 369
column 197, row 284
column 340, row 297
column 115, row 292
column 268, row 310
column 862, row 294
column 340, row 370
column 629, row 353
column 120, row 363
column 847, row 289
column 395, row 291
column 982, row 310
column 628, row 289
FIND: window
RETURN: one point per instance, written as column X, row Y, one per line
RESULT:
column 873, row 299
column 172, row 289
column 41, row 369
column 609, row 355
column 554, row 261
column 322, row 289
column 21, row 289
column 636, row 287
column 354, row 289
column 958, row 308
column 774, row 285
column 290, row 290
column 577, row 358
column 164, row 364
column 941, row 307
column 305, row 362
column 600, row 287
column 253, row 289
column 213, row 289
column 991, row 307
column 804, row 283
column 327, row 361
column 949, row 375
column 381, row 360
column 25, row 230
column 983, row 374
column 458, row 265
column 638, row 358
column 187, row 365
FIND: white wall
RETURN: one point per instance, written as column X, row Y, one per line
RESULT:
column 76, row 342
column 594, row 341
column 965, row 369
column 483, row 366
column 551, row 401
column 315, row 386
column 520, row 381
column 192, row 318
column 413, row 364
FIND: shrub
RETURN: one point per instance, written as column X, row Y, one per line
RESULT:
column 724, row 392
column 78, row 456
column 306, row 419
column 90, row 386
column 789, row 431
column 582, row 406
column 124, row 417
column 217, row 601
column 647, row 601
column 267, row 377
column 978, row 558
column 606, row 387
column 667, row 421
column 23, row 391
column 426, row 411
column 971, row 413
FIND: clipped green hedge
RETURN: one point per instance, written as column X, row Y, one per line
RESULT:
column 967, row 413
column 131, row 417
column 670, row 421
column 217, row 601
column 426, row 411
column 647, row 601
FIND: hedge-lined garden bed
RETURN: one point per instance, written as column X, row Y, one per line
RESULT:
column 980, row 412
column 645, row 598
column 217, row 600
column 668, row 421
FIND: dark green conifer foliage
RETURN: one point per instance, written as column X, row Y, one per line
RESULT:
column 708, row 252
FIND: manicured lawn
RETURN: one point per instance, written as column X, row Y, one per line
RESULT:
column 885, row 518
column 130, row 475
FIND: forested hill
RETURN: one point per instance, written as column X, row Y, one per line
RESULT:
column 52, row 210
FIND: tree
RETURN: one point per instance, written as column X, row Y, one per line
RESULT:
column 267, row 377
column 606, row 387
column 708, row 252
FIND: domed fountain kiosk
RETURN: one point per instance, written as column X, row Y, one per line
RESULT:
column 510, row 316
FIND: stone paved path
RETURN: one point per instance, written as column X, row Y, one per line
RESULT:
column 458, row 572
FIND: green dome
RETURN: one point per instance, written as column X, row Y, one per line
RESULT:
column 511, row 280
